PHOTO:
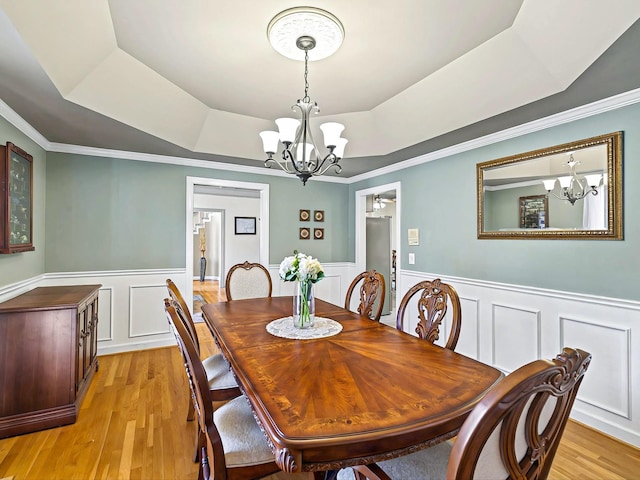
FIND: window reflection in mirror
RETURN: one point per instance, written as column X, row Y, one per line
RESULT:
column 572, row 190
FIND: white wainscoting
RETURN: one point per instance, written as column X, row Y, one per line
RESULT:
column 332, row 288
column 507, row 326
column 130, row 303
column 130, row 306
column 502, row 325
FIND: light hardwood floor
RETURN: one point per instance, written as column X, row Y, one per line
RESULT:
column 132, row 426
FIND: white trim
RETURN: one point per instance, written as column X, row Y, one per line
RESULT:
column 111, row 308
column 182, row 161
column 17, row 121
column 116, row 273
column 584, row 111
column 361, row 226
column 132, row 288
column 263, row 188
column 543, row 292
column 595, row 108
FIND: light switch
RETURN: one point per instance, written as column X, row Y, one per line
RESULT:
column 412, row 259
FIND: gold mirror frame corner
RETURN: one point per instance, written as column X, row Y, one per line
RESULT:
column 614, row 231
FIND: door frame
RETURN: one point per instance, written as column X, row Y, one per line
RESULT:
column 263, row 224
column 221, row 246
column 361, row 227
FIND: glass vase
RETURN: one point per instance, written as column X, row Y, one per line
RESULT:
column 304, row 305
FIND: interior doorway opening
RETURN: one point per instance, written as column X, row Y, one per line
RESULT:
column 378, row 238
column 220, row 192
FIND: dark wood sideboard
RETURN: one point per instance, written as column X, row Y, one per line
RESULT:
column 48, row 347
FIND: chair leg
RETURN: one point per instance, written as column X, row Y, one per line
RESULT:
column 196, row 453
column 370, row 472
column 191, row 413
column 205, row 473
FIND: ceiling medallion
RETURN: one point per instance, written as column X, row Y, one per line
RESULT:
column 288, row 26
column 300, row 33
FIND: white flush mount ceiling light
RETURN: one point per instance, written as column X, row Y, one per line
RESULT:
column 304, row 33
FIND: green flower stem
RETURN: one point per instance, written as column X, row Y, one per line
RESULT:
column 305, row 316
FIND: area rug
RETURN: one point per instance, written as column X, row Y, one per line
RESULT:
column 198, row 301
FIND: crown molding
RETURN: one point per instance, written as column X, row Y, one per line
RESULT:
column 601, row 106
column 17, row 121
column 595, row 108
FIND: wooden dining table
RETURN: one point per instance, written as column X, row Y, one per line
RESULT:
column 365, row 394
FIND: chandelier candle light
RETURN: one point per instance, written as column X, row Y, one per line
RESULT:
column 305, row 270
column 309, row 28
column 574, row 188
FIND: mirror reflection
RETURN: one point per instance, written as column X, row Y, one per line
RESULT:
column 567, row 191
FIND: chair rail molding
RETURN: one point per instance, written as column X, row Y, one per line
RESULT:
column 515, row 324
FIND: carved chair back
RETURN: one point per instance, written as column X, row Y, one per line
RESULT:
column 248, row 280
column 432, row 308
column 372, row 289
column 515, row 430
column 213, row 461
column 183, row 310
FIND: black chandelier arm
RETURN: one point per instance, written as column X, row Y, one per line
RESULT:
column 282, row 165
column 333, row 162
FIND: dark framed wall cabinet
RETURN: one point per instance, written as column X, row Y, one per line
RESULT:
column 16, row 200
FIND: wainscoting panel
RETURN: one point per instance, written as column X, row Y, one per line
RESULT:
column 105, row 315
column 519, row 324
column 332, row 288
column 468, row 342
column 609, row 346
column 146, row 310
column 516, row 336
column 130, row 306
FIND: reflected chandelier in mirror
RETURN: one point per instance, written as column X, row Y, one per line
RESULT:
column 569, row 191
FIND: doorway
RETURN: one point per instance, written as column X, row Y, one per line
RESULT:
column 388, row 209
column 224, row 188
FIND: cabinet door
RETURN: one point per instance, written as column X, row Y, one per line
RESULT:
column 83, row 347
column 16, row 219
column 92, row 315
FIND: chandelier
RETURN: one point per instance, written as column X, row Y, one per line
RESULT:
column 573, row 187
column 307, row 28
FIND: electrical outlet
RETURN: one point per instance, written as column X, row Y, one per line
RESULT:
column 412, row 259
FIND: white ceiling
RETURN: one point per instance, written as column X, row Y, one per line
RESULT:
column 201, row 75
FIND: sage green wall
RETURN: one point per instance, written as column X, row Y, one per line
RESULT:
column 16, row 267
column 439, row 198
column 113, row 214
column 502, row 209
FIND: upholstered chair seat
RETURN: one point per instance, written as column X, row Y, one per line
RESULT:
column 219, row 374
column 243, row 442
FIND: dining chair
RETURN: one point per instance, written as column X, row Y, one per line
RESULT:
column 248, row 280
column 230, row 442
column 432, row 307
column 372, row 288
column 512, row 433
column 222, row 383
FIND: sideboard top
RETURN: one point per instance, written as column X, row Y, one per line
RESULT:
column 56, row 297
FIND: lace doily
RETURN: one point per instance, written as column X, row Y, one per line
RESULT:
column 322, row 327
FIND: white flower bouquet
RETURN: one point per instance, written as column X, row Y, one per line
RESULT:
column 305, row 270
column 301, row 268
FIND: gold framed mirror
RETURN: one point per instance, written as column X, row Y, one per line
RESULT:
column 573, row 190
